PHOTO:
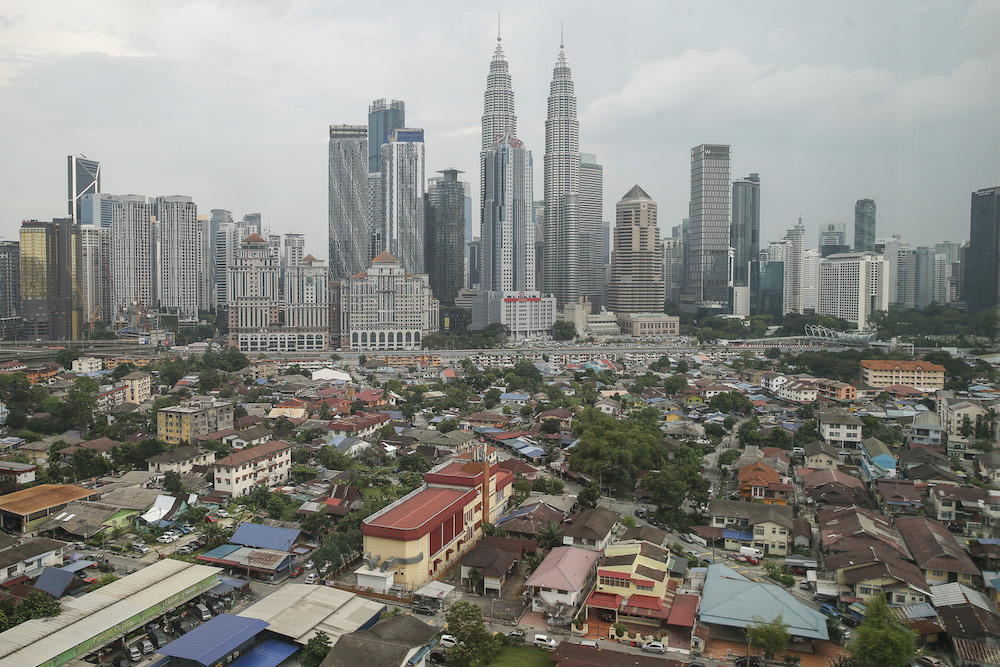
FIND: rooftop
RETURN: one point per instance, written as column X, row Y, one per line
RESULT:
column 42, row 497
column 565, row 569
column 253, row 453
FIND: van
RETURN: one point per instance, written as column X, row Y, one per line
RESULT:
column 751, row 551
column 159, row 639
column 203, row 612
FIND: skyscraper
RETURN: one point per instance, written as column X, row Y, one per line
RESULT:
column 307, row 305
column 916, row 278
column 83, row 177
column 444, row 212
column 403, row 187
column 51, row 296
column 132, row 258
column 95, row 278
column 852, row 287
column 864, row 225
column 181, row 256
column 10, row 286
column 982, row 259
column 591, row 229
column 384, row 116
column 350, row 235
column 253, row 297
column 224, row 245
column 706, row 244
column 564, row 259
column 833, row 239
column 636, row 284
column 745, row 232
column 794, row 268
column 95, row 209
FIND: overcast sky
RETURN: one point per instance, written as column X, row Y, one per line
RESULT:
column 229, row 102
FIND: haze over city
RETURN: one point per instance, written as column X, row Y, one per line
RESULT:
column 230, row 104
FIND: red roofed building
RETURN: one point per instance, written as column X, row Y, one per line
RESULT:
column 881, row 373
column 426, row 531
column 759, row 481
column 357, row 426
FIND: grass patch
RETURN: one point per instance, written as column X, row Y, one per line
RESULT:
column 522, row 656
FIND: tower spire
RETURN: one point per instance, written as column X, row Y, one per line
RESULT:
column 498, row 27
column 562, row 42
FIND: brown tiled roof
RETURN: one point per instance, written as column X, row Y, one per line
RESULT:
column 889, row 365
column 933, row 547
column 253, row 453
column 594, row 523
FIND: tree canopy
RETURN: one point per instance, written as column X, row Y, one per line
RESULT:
column 882, row 641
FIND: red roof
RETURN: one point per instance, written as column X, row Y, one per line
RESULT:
column 604, row 600
column 417, row 515
column 683, row 611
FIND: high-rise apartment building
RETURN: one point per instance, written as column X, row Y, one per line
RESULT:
column 767, row 287
column 564, row 259
column 706, row 244
column 403, row 186
column 307, row 306
column 982, row 259
column 294, row 249
column 744, row 236
column 636, row 284
column 95, row 209
column 349, row 223
column 384, row 307
column 864, row 225
column 794, row 248
column 83, row 177
column 224, row 244
column 916, row 278
column 893, row 250
column 809, row 291
column 673, row 265
column 384, row 116
column 133, row 258
column 591, row 228
column 852, row 287
column 96, row 272
column 253, row 296
column 181, row 256
column 10, row 287
column 51, row 264
column 444, row 227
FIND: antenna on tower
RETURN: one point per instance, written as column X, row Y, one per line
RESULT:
column 562, row 42
column 498, row 26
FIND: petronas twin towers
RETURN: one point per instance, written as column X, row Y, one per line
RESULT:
column 571, row 229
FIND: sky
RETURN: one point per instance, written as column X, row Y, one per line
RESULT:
column 229, row 102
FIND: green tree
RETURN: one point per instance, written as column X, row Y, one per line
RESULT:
column 628, row 521
column 675, row 384
column 475, row 578
column 476, row 643
column 316, row 650
column 67, row 356
column 882, row 641
column 589, row 496
column 88, row 463
column 172, row 482
column 316, row 524
column 728, row 457
column 447, row 425
column 768, row 636
column 550, row 535
column 563, row 331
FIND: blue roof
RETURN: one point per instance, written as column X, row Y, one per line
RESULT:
column 264, row 537
column 737, row 535
column 270, row 653
column 213, row 640
column 54, row 581
column 514, row 396
column 532, row 452
column 78, row 565
column 219, row 553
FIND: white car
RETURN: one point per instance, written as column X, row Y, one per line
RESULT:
column 164, row 539
column 653, row 647
column 311, row 578
column 545, row 642
column 222, row 513
column 448, row 641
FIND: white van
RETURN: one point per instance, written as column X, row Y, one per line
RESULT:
column 751, row 551
column 203, row 611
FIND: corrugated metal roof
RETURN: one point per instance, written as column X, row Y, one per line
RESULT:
column 268, row 654
column 214, row 639
column 266, row 537
column 39, row 640
column 298, row 611
column 54, row 581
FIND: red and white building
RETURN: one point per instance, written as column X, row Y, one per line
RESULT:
column 269, row 464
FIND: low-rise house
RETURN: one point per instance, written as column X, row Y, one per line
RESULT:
column 84, row 520
column 798, row 391
column 30, row 557
column 925, row 431
column 820, row 455
column 633, row 582
column 940, row 558
column 396, row 641
column 840, row 429
column 871, row 570
column 19, row 473
column 970, row 619
column 357, row 426
column 138, row 387
column 837, row 391
column 900, row 496
column 766, row 527
column 20, row 508
column 255, row 435
column 962, row 506
column 559, row 585
column 832, row 488
column 850, row 528
column 590, row 529
column 494, row 558
column 761, row 482
column 181, row 460
column 877, row 460
column 963, row 417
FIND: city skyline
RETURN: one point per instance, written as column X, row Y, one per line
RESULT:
column 824, row 125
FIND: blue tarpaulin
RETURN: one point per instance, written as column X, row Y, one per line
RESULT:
column 737, row 535
column 214, row 639
column 268, row 654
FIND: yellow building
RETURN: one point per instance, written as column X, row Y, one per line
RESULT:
column 633, row 582
column 879, row 373
column 420, row 535
column 182, row 424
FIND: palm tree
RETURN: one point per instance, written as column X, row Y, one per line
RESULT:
column 550, row 536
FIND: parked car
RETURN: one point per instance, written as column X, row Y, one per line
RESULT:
column 134, row 653
column 640, row 513
column 186, row 528
column 184, row 550
column 140, row 547
column 222, row 513
column 216, row 607
column 929, row 661
column 516, row 636
column 850, row 621
column 147, row 646
column 804, row 585
column 311, row 578
column 437, row 657
column 829, row 610
column 545, row 642
column 743, row 661
column 653, row 647
column 310, row 565
column 607, row 616
column 426, row 610
column 588, row 642
column 210, row 519
column 165, row 539
column 296, row 571
column 448, row 641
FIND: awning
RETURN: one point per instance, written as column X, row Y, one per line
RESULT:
column 268, row 654
column 78, row 565
column 435, row 589
column 604, row 600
